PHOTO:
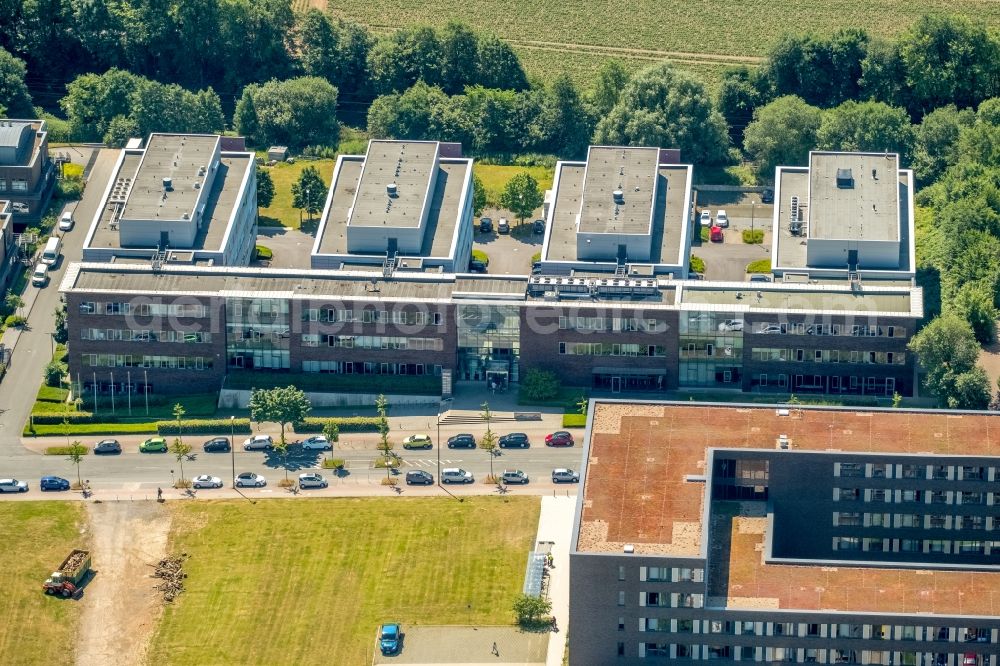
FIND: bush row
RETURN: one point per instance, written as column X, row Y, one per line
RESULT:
column 346, row 424
column 205, row 427
column 56, row 418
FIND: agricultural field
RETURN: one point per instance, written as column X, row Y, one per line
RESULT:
column 575, row 37
column 281, row 212
column 36, row 536
column 281, row 582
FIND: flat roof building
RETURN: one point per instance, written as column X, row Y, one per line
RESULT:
column 27, row 175
column 779, row 534
column 180, row 199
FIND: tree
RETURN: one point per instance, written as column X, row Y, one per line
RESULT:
column 488, row 442
column 265, row 188
column 14, row 95
column 530, row 609
column 297, row 113
column 60, row 334
column 975, row 302
column 479, row 200
column 14, row 303
column 611, row 80
column 331, row 431
column 309, row 191
column 824, row 71
column 540, row 385
column 867, row 126
column 178, row 412
column 521, row 195
column 459, row 57
column 989, row 111
column 409, row 55
column 54, row 372
column 281, row 405
column 180, row 451
column 406, row 116
column 883, row 74
column 663, row 107
column 741, row 92
column 75, row 455
column 948, row 352
column 935, row 145
column 385, row 444
column 565, row 120
column 499, row 66
column 782, row 133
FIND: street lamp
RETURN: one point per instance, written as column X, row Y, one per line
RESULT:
column 753, row 205
column 232, row 446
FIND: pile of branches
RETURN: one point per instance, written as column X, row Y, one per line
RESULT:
column 73, row 563
column 170, row 571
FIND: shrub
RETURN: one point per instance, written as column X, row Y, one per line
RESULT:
column 314, row 424
column 56, row 418
column 754, row 237
column 64, row 450
column 479, row 255
column 540, row 385
column 697, row 264
column 204, row 427
column 536, row 257
column 15, row 321
column 54, row 372
column 759, row 266
column 574, row 420
column 333, row 463
column 264, row 253
column 705, row 234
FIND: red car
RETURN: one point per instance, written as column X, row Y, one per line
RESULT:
column 561, row 438
column 715, row 234
column 970, row 659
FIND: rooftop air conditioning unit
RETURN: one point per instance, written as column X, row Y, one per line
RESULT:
column 168, row 184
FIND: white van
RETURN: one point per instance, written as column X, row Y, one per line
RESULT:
column 50, row 254
column 40, row 275
column 66, row 221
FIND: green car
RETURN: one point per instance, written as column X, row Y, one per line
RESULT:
column 153, row 444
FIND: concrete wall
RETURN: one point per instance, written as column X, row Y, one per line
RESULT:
column 871, row 254
column 231, row 399
column 604, row 247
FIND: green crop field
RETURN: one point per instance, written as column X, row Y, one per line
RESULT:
column 281, row 582
column 36, row 537
column 576, row 36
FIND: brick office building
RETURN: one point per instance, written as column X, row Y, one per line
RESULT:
column 27, row 175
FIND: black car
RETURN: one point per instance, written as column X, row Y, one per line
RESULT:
column 515, row 440
column 216, row 445
column 53, row 483
column 463, row 441
column 477, row 266
column 418, row 477
column 108, row 446
column 485, row 225
column 538, row 226
column 767, row 197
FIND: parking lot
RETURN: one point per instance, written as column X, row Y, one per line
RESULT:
column 510, row 254
column 469, row 645
column 727, row 260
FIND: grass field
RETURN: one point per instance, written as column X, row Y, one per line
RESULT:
column 281, row 212
column 495, row 177
column 36, row 628
column 308, row 583
column 575, row 37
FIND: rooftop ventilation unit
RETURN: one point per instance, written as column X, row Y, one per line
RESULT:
column 794, row 209
column 845, row 179
column 392, row 190
column 168, row 185
column 619, row 196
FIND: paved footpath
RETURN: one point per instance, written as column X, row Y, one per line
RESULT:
column 555, row 524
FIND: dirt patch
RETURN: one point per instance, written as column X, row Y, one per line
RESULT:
column 989, row 358
column 120, row 606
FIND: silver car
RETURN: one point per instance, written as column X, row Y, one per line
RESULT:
column 312, row 480
column 250, row 480
column 563, row 475
column 258, row 443
column 13, row 486
column 206, row 481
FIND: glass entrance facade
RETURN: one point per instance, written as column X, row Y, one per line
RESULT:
column 711, row 350
column 257, row 333
column 489, row 343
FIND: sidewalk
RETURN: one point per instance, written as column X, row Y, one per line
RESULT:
column 555, row 523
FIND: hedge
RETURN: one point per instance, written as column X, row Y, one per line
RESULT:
column 345, row 424
column 90, row 429
column 759, row 266
column 752, row 237
column 205, row 427
column 56, row 418
column 574, row 420
column 64, row 450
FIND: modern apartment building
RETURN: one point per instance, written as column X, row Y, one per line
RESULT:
column 27, row 175
column 386, row 291
column 775, row 534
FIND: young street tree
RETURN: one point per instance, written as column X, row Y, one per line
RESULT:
column 180, row 451
column 488, row 442
column 479, row 200
column 384, row 443
column 530, row 609
column 265, row 188
column 309, row 191
column 281, row 405
column 76, row 453
column 521, row 195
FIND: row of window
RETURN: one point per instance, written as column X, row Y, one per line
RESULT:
column 916, row 471
column 370, row 368
column 904, row 520
column 404, row 318
column 144, row 309
column 610, row 349
column 856, row 330
column 827, row 356
column 16, row 185
column 373, row 342
column 770, row 655
column 128, row 335
column 150, row 361
column 666, row 599
column 667, row 574
column 965, row 634
column 900, row 495
column 935, row 546
column 609, row 324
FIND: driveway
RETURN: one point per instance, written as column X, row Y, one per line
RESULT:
column 468, row 645
column 291, row 247
column 510, row 254
column 727, row 260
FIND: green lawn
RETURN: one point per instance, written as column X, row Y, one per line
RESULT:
column 494, row 177
column 281, row 582
column 37, row 536
column 281, row 212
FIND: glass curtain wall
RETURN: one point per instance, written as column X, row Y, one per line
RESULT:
column 711, row 350
column 257, row 333
column 489, row 343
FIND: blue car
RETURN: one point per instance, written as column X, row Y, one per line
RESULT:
column 389, row 638
column 53, row 483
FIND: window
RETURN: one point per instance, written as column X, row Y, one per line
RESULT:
column 910, row 520
column 911, row 495
column 913, row 471
column 848, row 519
column 88, row 308
column 621, row 573
column 19, row 185
column 971, row 473
column 621, row 624
column 621, row 649
column 852, row 469
column 846, row 543
column 621, row 597
column 658, row 574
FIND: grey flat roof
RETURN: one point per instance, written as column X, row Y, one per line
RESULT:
column 408, row 164
column 669, row 215
column 634, row 172
column 175, row 156
column 509, row 286
column 11, row 131
column 219, row 207
column 868, row 211
column 753, row 297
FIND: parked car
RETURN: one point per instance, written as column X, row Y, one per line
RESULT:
column 970, row 659
column 206, row 481
column 13, row 486
column 503, row 226
column 389, row 638
column 418, row 477
column 417, row 442
column 216, row 445
column 515, row 440
column 760, row 277
column 250, row 480
column 715, row 234
column 514, row 476
column 317, row 443
column 563, row 475
column 706, row 218
column 456, row 475
column 66, row 221
column 312, row 480
column 731, row 325
column 722, row 219
column 108, row 446
column 258, row 443
column 538, row 227
column 771, row 329
column 767, row 196
column 559, row 438
column 40, row 276
column 463, row 441
column 53, row 483
column 153, row 445
column 477, row 266
column 485, row 225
